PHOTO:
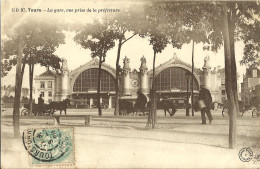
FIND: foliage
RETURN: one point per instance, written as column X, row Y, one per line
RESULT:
column 7, row 99
column 41, row 40
column 98, row 37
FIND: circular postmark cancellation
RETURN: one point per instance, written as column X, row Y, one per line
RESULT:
column 46, row 145
column 245, row 154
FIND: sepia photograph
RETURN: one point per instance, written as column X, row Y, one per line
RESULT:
column 130, row 84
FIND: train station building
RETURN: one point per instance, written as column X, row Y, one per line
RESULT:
column 172, row 78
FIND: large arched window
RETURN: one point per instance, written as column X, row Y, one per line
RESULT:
column 88, row 79
column 173, row 78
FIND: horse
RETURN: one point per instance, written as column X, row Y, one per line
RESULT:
column 59, row 106
column 126, row 107
column 167, row 105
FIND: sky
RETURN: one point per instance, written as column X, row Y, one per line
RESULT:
column 133, row 49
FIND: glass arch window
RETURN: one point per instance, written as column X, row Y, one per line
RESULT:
column 174, row 78
column 87, row 81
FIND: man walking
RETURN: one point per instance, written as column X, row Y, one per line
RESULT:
column 205, row 96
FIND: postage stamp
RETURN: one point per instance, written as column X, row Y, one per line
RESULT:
column 50, row 146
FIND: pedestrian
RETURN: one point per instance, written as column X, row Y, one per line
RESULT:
column 206, row 99
column 40, row 103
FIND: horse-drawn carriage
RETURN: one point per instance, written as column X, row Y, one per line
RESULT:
column 254, row 106
column 127, row 107
column 37, row 110
column 45, row 109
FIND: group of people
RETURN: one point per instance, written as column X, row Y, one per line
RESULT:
column 205, row 102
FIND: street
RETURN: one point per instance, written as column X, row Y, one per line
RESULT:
column 110, row 142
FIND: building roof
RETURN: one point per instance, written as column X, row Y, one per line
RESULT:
column 91, row 64
column 175, row 61
column 48, row 73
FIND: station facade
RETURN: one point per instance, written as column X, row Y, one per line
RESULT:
column 172, row 78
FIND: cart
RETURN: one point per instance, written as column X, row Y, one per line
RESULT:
column 37, row 110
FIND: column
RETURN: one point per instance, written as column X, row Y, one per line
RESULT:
column 144, row 77
column 126, row 75
column 90, row 102
column 109, row 102
column 64, row 80
column 206, row 72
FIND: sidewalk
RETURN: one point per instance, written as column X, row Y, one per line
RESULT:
column 113, row 142
column 114, row 147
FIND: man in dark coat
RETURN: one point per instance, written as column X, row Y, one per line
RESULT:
column 141, row 100
column 40, row 104
column 206, row 97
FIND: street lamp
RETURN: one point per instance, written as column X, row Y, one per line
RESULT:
column 187, row 75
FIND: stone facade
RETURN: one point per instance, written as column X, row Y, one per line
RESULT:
column 81, row 89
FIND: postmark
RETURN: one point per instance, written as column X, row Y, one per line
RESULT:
column 50, row 146
column 245, row 154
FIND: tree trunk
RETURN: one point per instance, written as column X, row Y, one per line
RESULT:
column 22, row 72
column 98, row 87
column 18, row 88
column 231, row 24
column 151, row 121
column 192, row 78
column 228, row 82
column 154, row 95
column 116, row 113
column 31, row 70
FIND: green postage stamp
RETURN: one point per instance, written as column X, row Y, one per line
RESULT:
column 50, row 146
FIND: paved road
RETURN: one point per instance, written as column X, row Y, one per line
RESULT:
column 115, row 147
column 178, row 141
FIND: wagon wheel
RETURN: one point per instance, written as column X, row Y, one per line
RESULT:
column 49, row 112
column 25, row 112
column 225, row 112
column 254, row 113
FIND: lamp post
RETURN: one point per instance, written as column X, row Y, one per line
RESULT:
column 187, row 101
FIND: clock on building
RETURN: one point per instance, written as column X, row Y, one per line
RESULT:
column 135, row 83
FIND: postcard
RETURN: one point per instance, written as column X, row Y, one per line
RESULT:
column 130, row 84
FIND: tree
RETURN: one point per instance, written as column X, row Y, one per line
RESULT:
column 183, row 25
column 159, row 41
column 233, row 21
column 41, row 40
column 126, row 27
column 99, row 38
column 225, row 22
column 6, row 66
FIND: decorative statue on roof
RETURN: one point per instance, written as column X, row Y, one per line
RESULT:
column 143, row 67
column 206, row 62
column 143, row 62
column 126, row 61
column 64, row 64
